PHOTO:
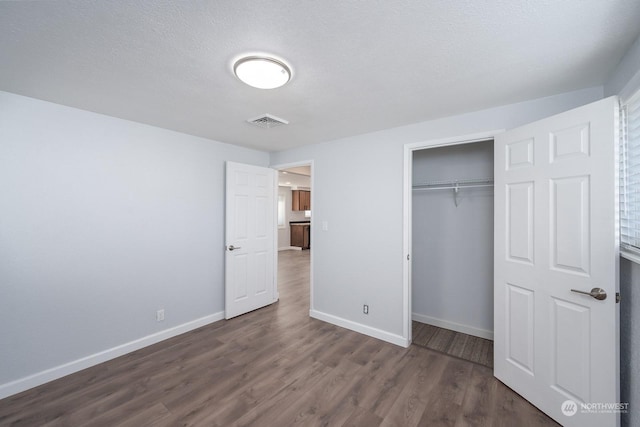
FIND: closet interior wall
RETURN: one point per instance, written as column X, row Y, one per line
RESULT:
column 452, row 264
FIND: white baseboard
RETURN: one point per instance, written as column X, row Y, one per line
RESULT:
column 51, row 374
column 290, row 248
column 469, row 330
column 359, row 327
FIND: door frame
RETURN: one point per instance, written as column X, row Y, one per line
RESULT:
column 278, row 168
column 407, row 225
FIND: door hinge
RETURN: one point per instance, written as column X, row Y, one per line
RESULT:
column 617, row 297
column 408, row 257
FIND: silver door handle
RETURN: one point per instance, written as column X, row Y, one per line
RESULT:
column 233, row 248
column 597, row 293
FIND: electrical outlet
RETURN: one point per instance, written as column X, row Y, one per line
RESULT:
column 365, row 309
column 160, row 315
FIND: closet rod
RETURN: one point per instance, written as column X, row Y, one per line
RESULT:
column 447, row 185
column 451, row 187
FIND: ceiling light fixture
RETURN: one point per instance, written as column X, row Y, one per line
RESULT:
column 262, row 72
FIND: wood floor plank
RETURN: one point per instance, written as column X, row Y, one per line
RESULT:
column 373, row 387
column 316, row 402
column 368, row 350
column 422, row 333
column 479, row 399
column 293, row 391
column 147, row 417
column 445, row 406
column 467, row 347
column 91, row 383
column 410, row 405
column 511, row 409
column 278, row 367
column 342, row 348
column 362, row 417
column 391, row 386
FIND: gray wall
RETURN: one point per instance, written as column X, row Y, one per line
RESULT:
column 102, row 222
column 624, row 80
column 452, row 268
column 630, row 340
column 361, row 262
column 625, row 77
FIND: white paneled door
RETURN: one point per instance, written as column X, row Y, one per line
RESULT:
column 250, row 251
column 555, row 238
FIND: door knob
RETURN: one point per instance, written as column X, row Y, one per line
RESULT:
column 233, row 248
column 597, row 293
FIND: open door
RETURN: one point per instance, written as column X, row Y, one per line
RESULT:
column 556, row 264
column 250, row 255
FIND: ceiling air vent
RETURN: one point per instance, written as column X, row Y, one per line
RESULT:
column 267, row 121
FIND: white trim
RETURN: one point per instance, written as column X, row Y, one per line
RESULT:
column 631, row 256
column 458, row 327
column 313, row 204
column 22, row 384
column 360, row 328
column 406, row 214
column 276, row 195
column 407, row 242
column 290, row 248
column 456, row 140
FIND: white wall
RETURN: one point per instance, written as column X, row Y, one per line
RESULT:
column 361, row 262
column 102, row 222
column 452, row 268
column 626, row 76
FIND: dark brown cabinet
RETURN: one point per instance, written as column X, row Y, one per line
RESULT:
column 300, row 200
column 301, row 235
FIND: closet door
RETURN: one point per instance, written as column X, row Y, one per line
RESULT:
column 555, row 241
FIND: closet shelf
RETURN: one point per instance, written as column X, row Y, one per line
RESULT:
column 448, row 185
column 455, row 186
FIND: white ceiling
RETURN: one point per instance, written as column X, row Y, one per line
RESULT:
column 299, row 176
column 359, row 66
column 299, row 170
column 293, row 181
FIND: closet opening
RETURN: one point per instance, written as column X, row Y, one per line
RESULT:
column 452, row 249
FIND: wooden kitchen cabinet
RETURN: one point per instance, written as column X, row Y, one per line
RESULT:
column 300, row 200
column 301, row 235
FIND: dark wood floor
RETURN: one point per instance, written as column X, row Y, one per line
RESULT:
column 275, row 367
column 457, row 344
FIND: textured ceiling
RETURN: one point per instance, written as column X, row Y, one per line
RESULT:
column 359, row 66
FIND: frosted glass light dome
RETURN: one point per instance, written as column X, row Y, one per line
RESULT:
column 262, row 72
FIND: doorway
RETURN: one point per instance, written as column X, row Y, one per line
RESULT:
column 452, row 227
column 295, row 230
column 454, row 196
